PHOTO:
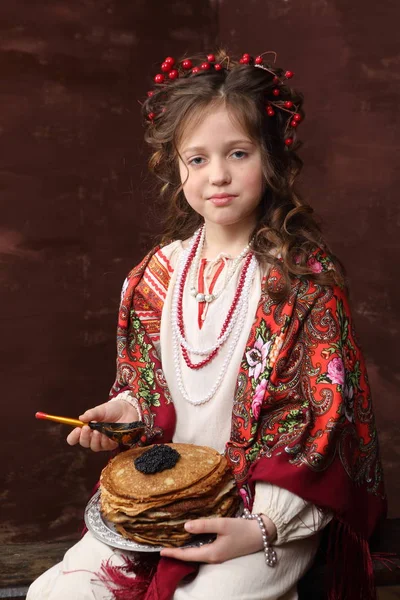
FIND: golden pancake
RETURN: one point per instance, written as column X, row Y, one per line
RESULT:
column 135, row 506
column 195, row 463
column 168, row 534
column 166, row 541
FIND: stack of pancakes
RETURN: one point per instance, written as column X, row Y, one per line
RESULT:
column 153, row 508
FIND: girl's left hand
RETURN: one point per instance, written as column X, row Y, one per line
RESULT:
column 235, row 537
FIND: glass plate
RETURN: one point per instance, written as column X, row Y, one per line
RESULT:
column 104, row 531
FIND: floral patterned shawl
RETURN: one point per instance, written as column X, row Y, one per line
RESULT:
column 302, row 417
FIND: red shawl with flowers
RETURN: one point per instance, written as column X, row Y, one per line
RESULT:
column 302, row 417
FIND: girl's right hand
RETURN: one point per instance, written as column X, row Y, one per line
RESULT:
column 116, row 411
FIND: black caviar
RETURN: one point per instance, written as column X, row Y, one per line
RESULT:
column 158, row 458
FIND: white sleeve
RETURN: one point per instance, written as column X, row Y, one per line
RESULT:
column 128, row 397
column 293, row 517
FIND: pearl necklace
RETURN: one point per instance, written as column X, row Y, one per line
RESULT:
column 244, row 301
column 199, row 297
column 227, row 327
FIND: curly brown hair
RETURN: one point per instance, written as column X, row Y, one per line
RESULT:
column 286, row 225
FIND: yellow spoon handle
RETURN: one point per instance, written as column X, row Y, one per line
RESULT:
column 56, row 419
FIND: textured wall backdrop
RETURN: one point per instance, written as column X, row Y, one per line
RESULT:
column 74, row 200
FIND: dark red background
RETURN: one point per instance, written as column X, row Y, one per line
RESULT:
column 75, row 196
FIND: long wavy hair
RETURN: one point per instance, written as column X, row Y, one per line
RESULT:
column 286, row 226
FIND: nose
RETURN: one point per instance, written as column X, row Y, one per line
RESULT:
column 219, row 173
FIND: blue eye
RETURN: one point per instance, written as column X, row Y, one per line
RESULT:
column 240, row 152
column 192, row 160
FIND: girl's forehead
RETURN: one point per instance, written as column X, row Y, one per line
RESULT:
column 216, row 121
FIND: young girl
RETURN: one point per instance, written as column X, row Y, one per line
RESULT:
column 237, row 334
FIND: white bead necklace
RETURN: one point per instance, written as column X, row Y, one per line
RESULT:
column 195, row 269
column 175, row 321
column 243, row 302
column 220, row 340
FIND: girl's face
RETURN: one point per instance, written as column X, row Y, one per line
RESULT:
column 223, row 169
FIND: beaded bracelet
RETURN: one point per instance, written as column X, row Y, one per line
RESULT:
column 128, row 397
column 270, row 555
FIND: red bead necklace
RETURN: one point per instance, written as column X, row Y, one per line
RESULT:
column 229, row 316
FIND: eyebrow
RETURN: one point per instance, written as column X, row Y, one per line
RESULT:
column 232, row 143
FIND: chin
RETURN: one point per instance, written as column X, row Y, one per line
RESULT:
column 221, row 221
column 224, row 217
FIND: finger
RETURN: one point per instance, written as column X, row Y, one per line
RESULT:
column 85, row 438
column 93, row 414
column 107, row 444
column 100, row 442
column 73, row 437
column 203, row 554
column 95, row 441
column 198, row 526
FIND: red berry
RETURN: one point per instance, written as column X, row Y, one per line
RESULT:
column 159, row 78
column 297, row 117
column 289, row 74
column 270, row 112
column 166, row 67
column 259, row 60
column 293, row 123
column 187, row 64
column 173, row 74
column 241, row 61
column 150, row 94
column 275, row 79
column 288, row 104
column 276, row 92
column 246, row 59
column 289, row 142
column 205, row 66
column 211, row 57
column 218, row 67
column 195, row 70
column 246, row 55
column 170, row 60
column 151, row 116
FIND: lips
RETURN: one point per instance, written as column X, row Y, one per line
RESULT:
column 221, row 199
